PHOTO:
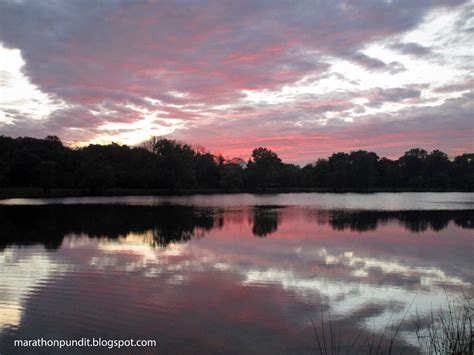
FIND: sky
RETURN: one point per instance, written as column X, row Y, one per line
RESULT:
column 303, row 78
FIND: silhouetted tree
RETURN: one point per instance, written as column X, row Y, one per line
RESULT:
column 290, row 176
column 463, row 171
column 338, row 170
column 4, row 172
column 263, row 168
column 207, row 171
column 47, row 174
column 321, row 171
column 54, row 139
column 412, row 165
column 96, row 175
column 437, row 169
column 388, row 173
column 167, row 164
column 307, row 176
column 231, row 176
column 176, row 163
column 24, row 168
column 363, row 169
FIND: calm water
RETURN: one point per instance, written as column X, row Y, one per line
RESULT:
column 229, row 273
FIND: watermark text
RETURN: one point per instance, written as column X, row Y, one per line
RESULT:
column 84, row 342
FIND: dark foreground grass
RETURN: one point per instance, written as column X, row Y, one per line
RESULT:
column 441, row 332
column 449, row 330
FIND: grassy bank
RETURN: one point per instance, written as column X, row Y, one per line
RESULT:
column 6, row 193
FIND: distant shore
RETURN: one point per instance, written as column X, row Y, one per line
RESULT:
column 6, row 193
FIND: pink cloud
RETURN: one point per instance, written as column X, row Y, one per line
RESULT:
column 106, row 59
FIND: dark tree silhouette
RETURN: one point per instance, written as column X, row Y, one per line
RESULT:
column 263, row 168
column 363, row 169
column 437, row 169
column 168, row 165
column 231, row 176
column 176, row 163
column 462, row 171
column 338, row 174
column 389, row 173
column 207, row 170
column 290, row 176
column 47, row 174
column 412, row 165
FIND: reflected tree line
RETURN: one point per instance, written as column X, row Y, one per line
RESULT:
column 25, row 225
column 166, row 164
column 265, row 220
column 414, row 221
column 49, row 224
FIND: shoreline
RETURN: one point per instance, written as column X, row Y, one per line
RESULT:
column 8, row 193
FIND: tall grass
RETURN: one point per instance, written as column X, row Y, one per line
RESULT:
column 448, row 330
column 331, row 339
column 440, row 332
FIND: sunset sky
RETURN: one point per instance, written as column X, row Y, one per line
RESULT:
column 304, row 78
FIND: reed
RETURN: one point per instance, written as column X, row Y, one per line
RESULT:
column 446, row 330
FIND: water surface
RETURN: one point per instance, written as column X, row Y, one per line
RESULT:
column 359, row 201
column 229, row 273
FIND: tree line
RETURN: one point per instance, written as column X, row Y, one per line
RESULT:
column 161, row 163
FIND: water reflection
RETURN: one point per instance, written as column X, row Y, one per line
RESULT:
column 414, row 221
column 265, row 220
column 47, row 225
column 199, row 279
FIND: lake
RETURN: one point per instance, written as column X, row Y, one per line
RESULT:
column 232, row 273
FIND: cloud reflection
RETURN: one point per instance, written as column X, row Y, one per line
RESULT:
column 178, row 271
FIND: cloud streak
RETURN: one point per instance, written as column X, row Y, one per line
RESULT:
column 244, row 74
